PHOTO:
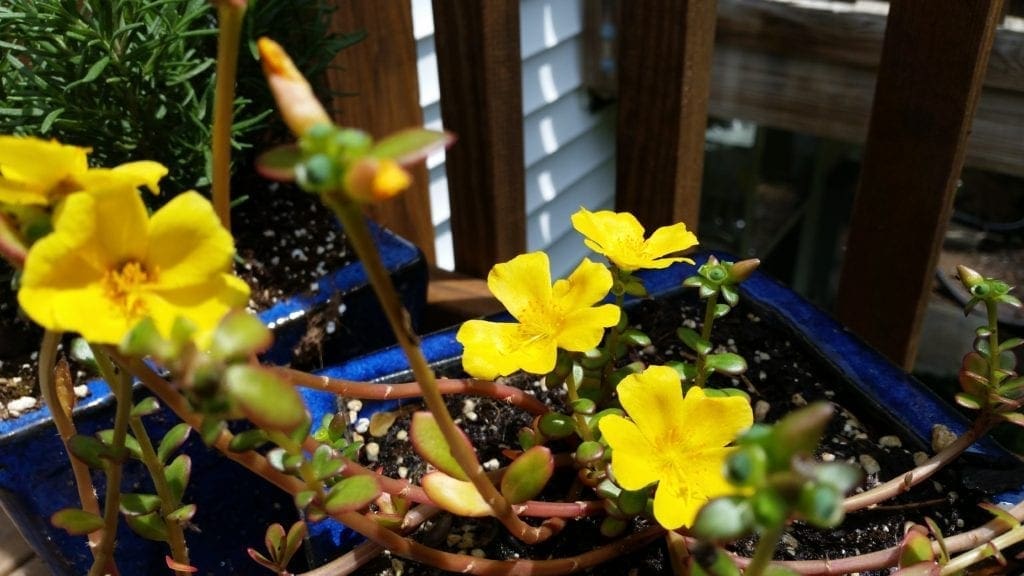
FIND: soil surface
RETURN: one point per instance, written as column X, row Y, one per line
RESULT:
column 782, row 376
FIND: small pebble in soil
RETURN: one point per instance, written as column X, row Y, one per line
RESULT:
column 798, row 400
column 372, row 451
column 869, row 464
column 942, row 437
column 402, row 435
column 828, row 457
column 18, row 406
column 81, row 391
column 920, row 458
column 492, row 464
column 761, row 409
column 890, row 442
column 403, row 472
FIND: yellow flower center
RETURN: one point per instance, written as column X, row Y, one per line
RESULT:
column 122, row 286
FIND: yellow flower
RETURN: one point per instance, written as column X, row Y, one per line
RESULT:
column 562, row 315
column 619, row 236
column 675, row 441
column 42, row 172
column 107, row 265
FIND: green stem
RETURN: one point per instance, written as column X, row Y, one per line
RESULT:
column 971, row 557
column 572, row 394
column 229, row 14
column 66, row 430
column 991, row 307
column 705, row 334
column 764, row 552
column 123, row 395
column 359, row 236
column 168, row 503
column 612, row 339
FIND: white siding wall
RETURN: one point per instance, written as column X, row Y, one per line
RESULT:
column 568, row 150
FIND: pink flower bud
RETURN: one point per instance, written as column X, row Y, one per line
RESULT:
column 295, row 99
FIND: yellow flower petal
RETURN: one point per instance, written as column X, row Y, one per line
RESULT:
column 485, row 344
column 587, row 285
column 130, row 175
column 204, row 305
column 121, row 224
column 187, row 242
column 688, row 486
column 584, row 328
column 731, row 415
column 523, row 285
column 631, row 456
column 654, row 400
column 668, row 240
column 39, row 164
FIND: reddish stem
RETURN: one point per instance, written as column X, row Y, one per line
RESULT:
column 369, row 391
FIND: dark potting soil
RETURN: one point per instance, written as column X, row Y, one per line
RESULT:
column 285, row 239
column 783, row 375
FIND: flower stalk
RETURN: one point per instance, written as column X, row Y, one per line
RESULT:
column 229, row 15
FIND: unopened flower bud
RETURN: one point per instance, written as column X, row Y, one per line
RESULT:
column 375, row 179
column 969, row 277
column 742, row 270
column 295, row 99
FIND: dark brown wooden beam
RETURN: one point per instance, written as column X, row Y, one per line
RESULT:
column 480, row 72
column 933, row 61
column 379, row 92
column 665, row 49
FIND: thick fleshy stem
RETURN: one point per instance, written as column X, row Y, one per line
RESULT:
column 168, row 503
column 764, row 552
column 61, row 413
column 372, row 391
column 983, row 552
column 890, row 556
column 911, row 478
column 359, row 236
column 611, row 341
column 399, row 545
column 229, row 15
column 122, row 387
column 705, row 334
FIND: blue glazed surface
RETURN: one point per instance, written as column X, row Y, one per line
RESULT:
column 904, row 401
column 35, row 479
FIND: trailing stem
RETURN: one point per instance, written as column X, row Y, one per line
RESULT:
column 61, row 412
column 905, row 482
column 359, row 235
column 764, row 552
column 367, row 391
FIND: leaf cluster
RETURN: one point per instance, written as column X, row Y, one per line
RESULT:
column 134, row 79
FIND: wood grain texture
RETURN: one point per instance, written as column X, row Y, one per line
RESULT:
column 480, row 75
column 379, row 93
column 665, row 49
column 929, row 81
column 813, row 71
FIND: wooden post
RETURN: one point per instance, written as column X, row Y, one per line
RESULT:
column 933, row 61
column 379, row 92
column 480, row 73
column 665, row 49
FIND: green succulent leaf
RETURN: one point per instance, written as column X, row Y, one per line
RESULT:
column 411, row 145
column 527, row 475
column 134, row 504
column 238, row 335
column 150, row 526
column 130, row 444
column 324, row 463
column 89, row 450
column 726, row 363
column 173, row 440
column 693, row 341
column 431, row 445
column 147, row 406
column 76, row 521
column 264, row 398
column 454, row 495
column 352, row 493
column 177, row 474
column 273, row 540
column 183, row 514
column 968, row 401
column 724, row 519
column 279, row 163
column 247, row 440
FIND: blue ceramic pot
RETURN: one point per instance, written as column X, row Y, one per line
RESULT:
column 863, row 378
column 234, row 506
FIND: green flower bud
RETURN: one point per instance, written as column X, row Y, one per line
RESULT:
column 820, row 505
column 747, row 466
column 769, row 508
